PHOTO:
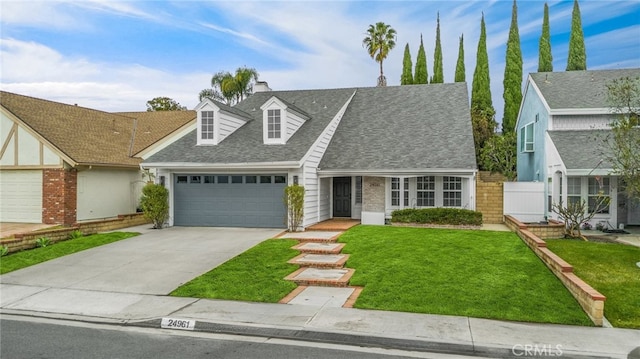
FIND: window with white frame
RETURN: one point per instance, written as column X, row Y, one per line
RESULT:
column 526, row 138
column 274, row 124
column 574, row 190
column 206, row 125
column 358, row 190
column 598, row 194
column 395, row 191
column 426, row 191
column 452, row 191
column 406, row 192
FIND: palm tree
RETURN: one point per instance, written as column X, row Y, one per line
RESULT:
column 380, row 39
column 231, row 88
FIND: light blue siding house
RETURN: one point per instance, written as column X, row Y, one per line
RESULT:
column 563, row 120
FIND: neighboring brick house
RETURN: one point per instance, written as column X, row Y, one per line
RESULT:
column 60, row 164
column 564, row 119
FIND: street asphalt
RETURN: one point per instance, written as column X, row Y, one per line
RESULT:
column 127, row 282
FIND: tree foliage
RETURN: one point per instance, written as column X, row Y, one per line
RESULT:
column 231, row 88
column 576, row 214
column 294, row 203
column 460, row 70
column 623, row 144
column 421, row 75
column 380, row 39
column 164, row 104
column 155, row 204
column 482, row 111
column 438, row 70
column 407, row 68
column 512, row 82
column 545, row 58
column 577, row 58
column 499, row 155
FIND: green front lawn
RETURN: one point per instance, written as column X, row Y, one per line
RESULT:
column 473, row 273
column 611, row 269
column 255, row 275
column 30, row 257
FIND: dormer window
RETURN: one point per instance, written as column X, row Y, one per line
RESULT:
column 206, row 126
column 274, row 124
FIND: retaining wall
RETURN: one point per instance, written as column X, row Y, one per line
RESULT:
column 591, row 301
column 27, row 240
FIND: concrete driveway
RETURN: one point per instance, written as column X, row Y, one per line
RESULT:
column 155, row 262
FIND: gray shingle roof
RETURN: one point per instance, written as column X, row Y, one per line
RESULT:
column 401, row 127
column 246, row 143
column 582, row 149
column 578, row 89
column 404, row 127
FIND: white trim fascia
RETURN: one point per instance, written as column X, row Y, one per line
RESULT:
column 336, row 119
column 167, row 140
column 580, row 111
column 590, row 172
column 221, row 166
column 540, row 96
column 411, row 172
column 524, row 97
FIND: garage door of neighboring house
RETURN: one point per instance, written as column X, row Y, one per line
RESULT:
column 229, row 200
column 21, row 196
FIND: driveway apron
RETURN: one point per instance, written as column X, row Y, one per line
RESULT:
column 153, row 263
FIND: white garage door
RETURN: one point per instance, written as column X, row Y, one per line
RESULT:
column 21, row 196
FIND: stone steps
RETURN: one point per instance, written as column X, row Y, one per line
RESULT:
column 321, row 277
column 319, row 247
column 320, row 260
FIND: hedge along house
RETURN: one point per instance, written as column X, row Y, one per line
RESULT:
column 60, row 164
column 360, row 153
column 562, row 125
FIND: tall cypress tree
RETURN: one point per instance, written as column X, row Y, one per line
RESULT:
column 545, row 59
column 482, row 111
column 407, row 71
column 460, row 70
column 512, row 82
column 481, row 87
column 421, row 76
column 577, row 59
column 438, row 72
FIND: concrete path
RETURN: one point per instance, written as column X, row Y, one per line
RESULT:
column 156, row 262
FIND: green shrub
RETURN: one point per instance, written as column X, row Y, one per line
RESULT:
column 76, row 234
column 452, row 216
column 155, row 204
column 294, row 203
column 42, row 242
column 4, row 250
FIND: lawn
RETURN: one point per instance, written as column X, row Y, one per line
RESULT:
column 482, row 274
column 611, row 269
column 30, row 257
column 255, row 275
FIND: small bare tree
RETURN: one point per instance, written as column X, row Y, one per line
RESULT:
column 294, row 203
column 577, row 213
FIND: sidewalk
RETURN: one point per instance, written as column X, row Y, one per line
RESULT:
column 420, row 332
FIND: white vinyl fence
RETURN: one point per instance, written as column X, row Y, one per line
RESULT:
column 524, row 201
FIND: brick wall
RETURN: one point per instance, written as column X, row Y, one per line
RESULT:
column 373, row 194
column 591, row 301
column 27, row 240
column 490, row 196
column 59, row 196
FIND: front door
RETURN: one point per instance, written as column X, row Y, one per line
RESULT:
column 342, row 197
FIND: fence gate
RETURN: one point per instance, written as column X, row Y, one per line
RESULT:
column 524, row 201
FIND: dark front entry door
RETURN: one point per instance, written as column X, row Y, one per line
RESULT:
column 342, row 197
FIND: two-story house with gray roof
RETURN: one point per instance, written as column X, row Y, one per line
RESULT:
column 563, row 120
column 360, row 153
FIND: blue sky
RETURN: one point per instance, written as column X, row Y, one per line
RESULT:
column 114, row 56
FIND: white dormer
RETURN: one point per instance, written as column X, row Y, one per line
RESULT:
column 216, row 121
column 280, row 120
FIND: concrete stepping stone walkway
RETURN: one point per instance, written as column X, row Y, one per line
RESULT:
column 322, row 279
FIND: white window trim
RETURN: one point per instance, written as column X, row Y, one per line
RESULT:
column 274, row 104
column 527, row 146
column 413, row 195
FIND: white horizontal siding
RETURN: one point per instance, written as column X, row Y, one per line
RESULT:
column 293, row 123
column 227, row 125
column 581, row 122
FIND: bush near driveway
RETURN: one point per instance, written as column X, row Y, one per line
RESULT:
column 473, row 273
column 611, row 269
